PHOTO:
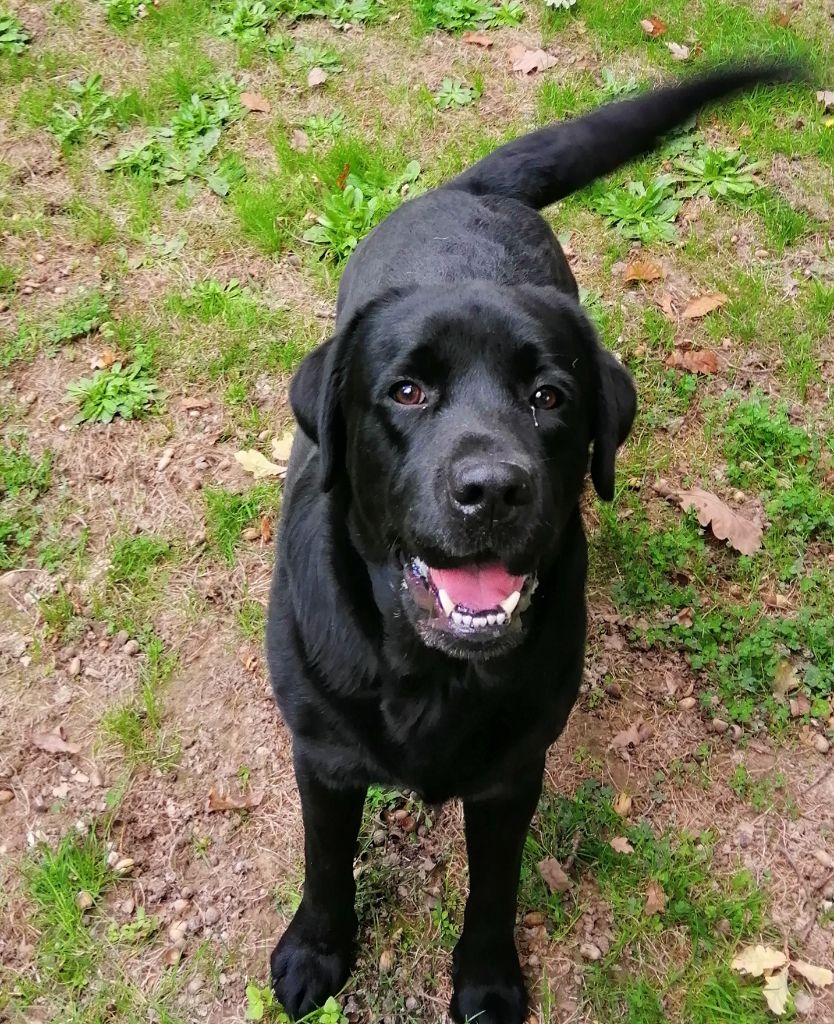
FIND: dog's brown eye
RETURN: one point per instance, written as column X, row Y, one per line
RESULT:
column 406, row 392
column 545, row 398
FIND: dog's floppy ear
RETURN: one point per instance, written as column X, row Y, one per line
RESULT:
column 316, row 398
column 616, row 406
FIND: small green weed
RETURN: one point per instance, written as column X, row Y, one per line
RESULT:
column 210, row 299
column 351, row 213
column 306, row 56
column 126, row 390
column 645, row 213
column 134, row 560
column 261, row 1005
column 614, row 87
column 324, row 126
column 717, row 173
column 227, row 515
column 61, row 621
column 248, row 21
column 458, row 15
column 13, row 36
column 454, row 93
column 87, row 113
column 8, row 277
column 66, row 950
column 251, row 620
column 141, row 929
column 122, row 13
column 23, row 479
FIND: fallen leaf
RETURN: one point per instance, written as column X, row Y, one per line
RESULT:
column 255, row 102
column 826, row 98
column 218, row 801
column 54, row 743
column 478, row 39
column 782, row 20
column 819, row 976
column 744, row 535
column 703, row 304
column 653, row 26
column 104, row 360
column 527, row 62
column 281, row 446
column 317, row 76
column 755, row 960
column 266, row 529
column 343, row 176
column 799, row 706
column 785, row 679
column 776, row 991
column 258, row 465
column 196, row 403
column 621, row 845
column 684, row 618
column 693, row 360
column 622, row 804
column 553, row 874
column 629, row 737
column 299, row 140
column 664, row 300
column 655, row 900
column 642, row 270
column 678, row 51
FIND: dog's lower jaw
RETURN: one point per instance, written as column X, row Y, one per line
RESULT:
column 312, row 961
column 488, row 986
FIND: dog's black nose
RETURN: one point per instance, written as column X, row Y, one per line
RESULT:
column 490, row 490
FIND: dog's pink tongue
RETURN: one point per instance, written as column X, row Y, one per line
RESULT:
column 477, row 587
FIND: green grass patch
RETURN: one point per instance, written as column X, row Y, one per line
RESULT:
column 23, row 481
column 126, row 389
column 14, row 38
column 458, row 15
column 228, row 515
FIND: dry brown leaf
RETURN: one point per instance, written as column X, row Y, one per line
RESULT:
column 281, row 446
column 744, row 535
column 653, row 26
column 218, row 801
column 664, row 300
column 299, row 140
column 622, row 804
column 527, row 62
column 266, row 529
column 477, row 39
column 826, row 98
column 799, row 706
column 104, row 359
column 776, row 991
column 621, row 845
column 629, row 737
column 781, row 19
column 251, row 461
column 693, row 360
column 196, row 403
column 316, row 77
column 655, row 900
column 785, row 679
column 255, row 102
column 554, row 875
column 642, row 270
column 755, row 960
column 54, row 743
column 678, row 51
column 703, row 304
column 819, row 976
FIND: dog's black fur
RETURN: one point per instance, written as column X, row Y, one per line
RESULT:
column 462, row 297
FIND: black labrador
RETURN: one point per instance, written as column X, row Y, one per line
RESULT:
column 427, row 615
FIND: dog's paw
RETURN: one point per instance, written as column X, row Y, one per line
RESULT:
column 488, row 987
column 306, row 970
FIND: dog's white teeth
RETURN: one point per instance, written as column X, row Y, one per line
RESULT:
column 479, row 620
column 491, row 620
column 466, row 620
column 420, row 566
column 457, row 618
column 500, row 619
column 446, row 603
column 509, row 603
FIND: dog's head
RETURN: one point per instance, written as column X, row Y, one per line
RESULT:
column 460, row 419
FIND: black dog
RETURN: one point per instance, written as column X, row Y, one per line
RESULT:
column 427, row 616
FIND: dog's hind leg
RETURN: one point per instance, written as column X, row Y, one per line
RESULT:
column 313, row 959
column 488, row 984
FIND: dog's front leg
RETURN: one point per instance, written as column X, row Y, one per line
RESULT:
column 488, row 984
column 313, row 959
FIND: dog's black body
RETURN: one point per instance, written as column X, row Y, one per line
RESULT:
column 434, row 484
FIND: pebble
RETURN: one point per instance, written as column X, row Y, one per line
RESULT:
column 177, row 931
column 121, row 638
column 128, row 906
column 74, row 667
column 378, row 838
column 239, row 867
column 386, row 961
column 613, row 690
column 131, row 647
column 803, row 1004
column 412, row 1004
column 211, row 915
column 533, row 919
column 687, row 704
column 165, row 459
column 821, row 744
column 124, row 865
column 39, row 257
column 6, row 796
column 96, row 778
column 83, row 900
column 590, row 951
column 179, row 905
column 195, row 985
column 719, row 725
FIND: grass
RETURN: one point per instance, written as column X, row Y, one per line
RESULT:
column 23, row 480
column 123, row 389
column 227, row 515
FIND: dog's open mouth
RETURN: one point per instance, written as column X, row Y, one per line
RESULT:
column 477, row 601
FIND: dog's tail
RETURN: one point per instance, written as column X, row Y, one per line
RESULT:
column 549, row 164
